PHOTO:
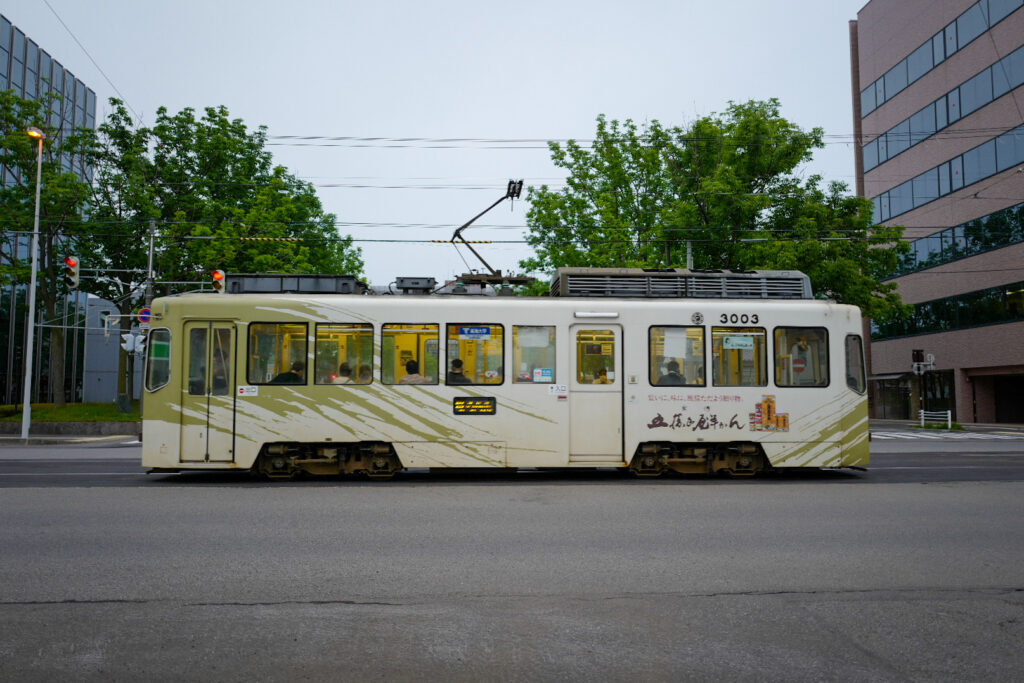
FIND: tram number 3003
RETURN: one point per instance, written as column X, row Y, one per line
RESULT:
column 743, row 319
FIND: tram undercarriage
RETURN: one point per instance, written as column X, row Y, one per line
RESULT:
column 743, row 458
column 374, row 460
column 378, row 460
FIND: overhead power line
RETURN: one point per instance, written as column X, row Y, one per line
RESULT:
column 94, row 63
column 407, row 142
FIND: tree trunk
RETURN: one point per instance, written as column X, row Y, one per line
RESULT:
column 57, row 365
column 49, row 292
column 124, row 399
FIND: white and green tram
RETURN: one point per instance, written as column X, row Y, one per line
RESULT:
column 665, row 371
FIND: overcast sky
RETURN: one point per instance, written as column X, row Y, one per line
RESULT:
column 456, row 69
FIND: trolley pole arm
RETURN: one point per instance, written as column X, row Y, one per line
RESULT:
column 515, row 188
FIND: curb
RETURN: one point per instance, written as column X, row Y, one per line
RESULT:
column 62, row 440
column 71, row 429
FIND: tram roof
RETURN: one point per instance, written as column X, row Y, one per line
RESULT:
column 568, row 282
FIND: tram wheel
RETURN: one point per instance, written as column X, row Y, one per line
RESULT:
column 383, row 467
column 647, row 466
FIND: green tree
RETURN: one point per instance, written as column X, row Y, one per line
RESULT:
column 217, row 191
column 61, row 203
column 726, row 185
column 208, row 190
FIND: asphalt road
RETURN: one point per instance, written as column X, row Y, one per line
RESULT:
column 913, row 570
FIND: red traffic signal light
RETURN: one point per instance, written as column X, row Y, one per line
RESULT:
column 71, row 266
column 220, row 281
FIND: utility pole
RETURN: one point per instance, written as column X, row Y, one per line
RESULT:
column 26, row 408
column 149, row 269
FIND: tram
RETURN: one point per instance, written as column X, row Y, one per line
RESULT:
column 655, row 371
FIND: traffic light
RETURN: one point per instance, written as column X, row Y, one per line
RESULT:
column 917, row 355
column 71, row 266
column 220, row 281
column 134, row 343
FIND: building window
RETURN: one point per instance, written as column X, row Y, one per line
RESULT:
column 896, row 80
column 1010, row 149
column 976, row 92
column 971, row 24
column 919, row 62
column 980, row 162
column 973, row 309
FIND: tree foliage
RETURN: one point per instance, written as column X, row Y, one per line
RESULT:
column 205, row 186
column 214, row 197
column 727, row 185
column 61, row 203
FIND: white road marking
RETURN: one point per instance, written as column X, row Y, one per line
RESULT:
column 952, row 436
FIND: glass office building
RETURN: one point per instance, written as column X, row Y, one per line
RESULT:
column 939, row 121
column 31, row 72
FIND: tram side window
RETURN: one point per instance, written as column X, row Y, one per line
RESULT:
column 158, row 359
column 408, row 353
column 676, row 356
column 476, row 353
column 221, row 358
column 855, row 376
column 277, row 353
column 739, row 357
column 344, row 353
column 595, row 353
column 533, row 354
column 801, row 357
column 197, row 361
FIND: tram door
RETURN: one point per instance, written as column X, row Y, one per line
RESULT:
column 595, row 400
column 207, row 416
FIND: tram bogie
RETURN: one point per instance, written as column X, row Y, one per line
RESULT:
column 736, row 459
column 288, row 460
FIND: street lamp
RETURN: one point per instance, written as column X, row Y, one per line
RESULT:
column 26, row 411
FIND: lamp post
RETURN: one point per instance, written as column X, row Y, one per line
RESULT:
column 26, row 411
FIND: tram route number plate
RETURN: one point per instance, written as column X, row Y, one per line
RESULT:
column 475, row 405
